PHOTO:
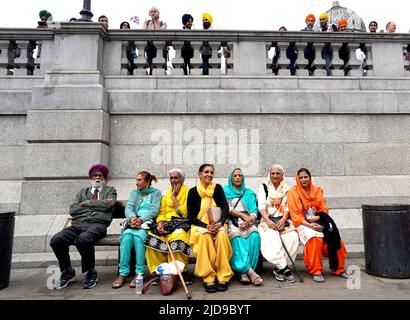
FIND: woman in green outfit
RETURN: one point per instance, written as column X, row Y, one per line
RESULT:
column 143, row 205
column 242, row 232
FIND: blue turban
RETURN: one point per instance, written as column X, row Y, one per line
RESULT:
column 186, row 17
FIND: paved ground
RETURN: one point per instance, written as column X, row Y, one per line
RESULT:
column 32, row 284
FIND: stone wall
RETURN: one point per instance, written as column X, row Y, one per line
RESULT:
column 83, row 107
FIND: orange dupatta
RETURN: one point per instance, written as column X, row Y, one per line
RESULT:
column 314, row 199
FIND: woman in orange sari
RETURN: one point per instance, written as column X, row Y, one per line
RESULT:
column 317, row 231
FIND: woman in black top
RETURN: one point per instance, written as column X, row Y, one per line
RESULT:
column 209, row 239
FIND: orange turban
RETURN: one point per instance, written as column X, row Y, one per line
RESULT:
column 342, row 22
column 310, row 16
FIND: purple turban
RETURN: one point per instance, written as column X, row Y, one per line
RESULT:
column 98, row 168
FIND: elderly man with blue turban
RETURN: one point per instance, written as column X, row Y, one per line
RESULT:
column 91, row 214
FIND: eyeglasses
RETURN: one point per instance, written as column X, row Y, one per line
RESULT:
column 174, row 178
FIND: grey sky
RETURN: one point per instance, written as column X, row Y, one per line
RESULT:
column 227, row 14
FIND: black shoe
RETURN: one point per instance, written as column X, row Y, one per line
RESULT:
column 187, row 278
column 222, row 286
column 90, row 280
column 279, row 276
column 288, row 275
column 67, row 276
column 210, row 288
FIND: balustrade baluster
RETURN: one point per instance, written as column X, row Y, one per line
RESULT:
column 340, row 50
column 319, row 62
column 283, row 62
column 4, row 47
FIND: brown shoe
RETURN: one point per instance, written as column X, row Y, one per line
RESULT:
column 118, row 283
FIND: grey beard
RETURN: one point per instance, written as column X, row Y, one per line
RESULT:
column 97, row 183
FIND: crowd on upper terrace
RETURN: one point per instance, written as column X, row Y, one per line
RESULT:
column 187, row 52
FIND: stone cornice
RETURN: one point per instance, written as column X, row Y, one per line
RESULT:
column 196, row 35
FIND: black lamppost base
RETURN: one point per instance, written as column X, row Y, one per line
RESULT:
column 86, row 16
column 86, row 13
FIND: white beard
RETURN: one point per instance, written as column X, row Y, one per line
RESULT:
column 97, row 183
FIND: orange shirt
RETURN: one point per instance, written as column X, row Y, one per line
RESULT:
column 314, row 199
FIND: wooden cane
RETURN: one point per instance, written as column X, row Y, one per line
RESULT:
column 188, row 295
column 290, row 258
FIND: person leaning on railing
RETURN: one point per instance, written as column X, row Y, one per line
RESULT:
column 309, row 51
column 150, row 50
column 205, row 50
column 187, row 51
column 327, row 52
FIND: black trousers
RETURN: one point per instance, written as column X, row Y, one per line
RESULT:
column 83, row 237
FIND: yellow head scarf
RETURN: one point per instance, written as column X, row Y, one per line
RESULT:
column 167, row 207
column 208, row 17
column 324, row 15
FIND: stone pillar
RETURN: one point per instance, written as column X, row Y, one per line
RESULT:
column 388, row 59
column 68, row 123
column 249, row 58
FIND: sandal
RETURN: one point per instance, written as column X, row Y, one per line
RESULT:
column 244, row 279
column 255, row 278
column 133, row 283
column 119, row 282
column 344, row 275
column 318, row 278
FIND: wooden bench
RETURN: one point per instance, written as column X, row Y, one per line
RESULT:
column 113, row 239
column 118, row 215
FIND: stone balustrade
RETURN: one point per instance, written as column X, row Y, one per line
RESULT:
column 89, row 46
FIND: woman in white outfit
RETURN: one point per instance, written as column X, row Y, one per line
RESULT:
column 276, row 224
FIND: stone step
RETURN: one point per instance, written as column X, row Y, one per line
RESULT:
column 254, row 82
column 345, row 195
column 341, row 192
column 110, row 258
column 257, row 101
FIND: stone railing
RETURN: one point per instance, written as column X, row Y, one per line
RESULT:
column 90, row 47
column 20, row 51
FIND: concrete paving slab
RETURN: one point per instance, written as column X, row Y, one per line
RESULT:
column 32, row 284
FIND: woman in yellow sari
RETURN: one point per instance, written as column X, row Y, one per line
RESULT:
column 209, row 240
column 171, row 223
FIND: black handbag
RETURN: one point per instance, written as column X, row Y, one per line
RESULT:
column 276, row 220
column 171, row 225
column 236, row 219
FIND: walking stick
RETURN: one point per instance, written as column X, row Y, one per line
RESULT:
column 188, row 295
column 290, row 258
